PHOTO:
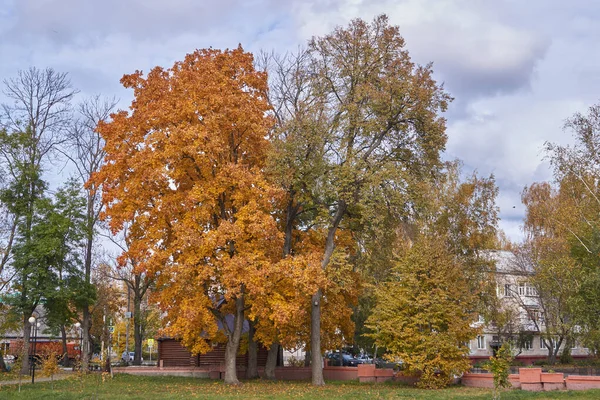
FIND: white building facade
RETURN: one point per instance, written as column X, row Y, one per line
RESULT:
column 526, row 327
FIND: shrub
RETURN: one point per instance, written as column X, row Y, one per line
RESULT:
column 295, row 362
column 50, row 366
column 500, row 368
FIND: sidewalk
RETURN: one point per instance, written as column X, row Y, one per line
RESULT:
column 27, row 379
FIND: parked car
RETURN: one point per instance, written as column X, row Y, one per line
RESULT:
column 347, row 360
column 365, row 358
column 381, row 363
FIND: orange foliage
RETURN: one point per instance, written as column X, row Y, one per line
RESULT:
column 185, row 172
column 184, row 168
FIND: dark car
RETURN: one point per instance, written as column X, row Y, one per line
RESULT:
column 381, row 363
column 347, row 360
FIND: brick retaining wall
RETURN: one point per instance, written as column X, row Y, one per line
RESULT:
column 533, row 379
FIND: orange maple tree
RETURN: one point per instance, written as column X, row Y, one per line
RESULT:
column 184, row 167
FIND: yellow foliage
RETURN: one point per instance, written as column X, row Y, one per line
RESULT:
column 423, row 315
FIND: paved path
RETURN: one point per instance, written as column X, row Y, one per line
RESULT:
column 27, row 379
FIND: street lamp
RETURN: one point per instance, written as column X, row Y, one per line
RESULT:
column 78, row 326
column 34, row 328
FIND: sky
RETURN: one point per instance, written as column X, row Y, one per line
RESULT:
column 517, row 69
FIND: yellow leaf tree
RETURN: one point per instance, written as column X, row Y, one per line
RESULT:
column 379, row 115
column 184, row 168
column 439, row 281
column 423, row 314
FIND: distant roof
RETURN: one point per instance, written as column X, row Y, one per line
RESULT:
column 508, row 262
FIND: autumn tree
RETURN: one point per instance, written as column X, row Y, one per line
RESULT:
column 374, row 116
column 423, row 315
column 185, row 169
column 440, row 277
column 577, row 173
column 296, row 163
column 546, row 260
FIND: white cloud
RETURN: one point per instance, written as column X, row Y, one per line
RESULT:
column 517, row 69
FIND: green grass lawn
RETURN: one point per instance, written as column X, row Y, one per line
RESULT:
column 138, row 387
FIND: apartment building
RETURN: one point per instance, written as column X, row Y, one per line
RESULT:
column 526, row 328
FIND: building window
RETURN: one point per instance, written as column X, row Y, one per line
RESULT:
column 525, row 289
column 528, row 343
column 533, row 315
column 550, row 342
column 507, row 291
column 481, row 342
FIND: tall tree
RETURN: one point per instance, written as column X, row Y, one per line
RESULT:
column 64, row 235
column 34, row 124
column 381, row 127
column 545, row 259
column 45, row 256
column 577, row 169
column 84, row 148
column 185, row 169
column 296, row 164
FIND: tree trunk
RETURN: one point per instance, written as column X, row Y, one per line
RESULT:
column 315, row 319
column 565, row 355
column 272, row 361
column 25, row 353
column 63, row 334
column 137, row 329
column 86, row 323
column 85, row 339
column 316, row 360
column 2, row 364
column 551, row 351
column 233, row 342
column 551, row 357
column 252, row 370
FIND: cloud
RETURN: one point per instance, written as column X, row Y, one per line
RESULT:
column 516, row 68
column 139, row 19
column 475, row 52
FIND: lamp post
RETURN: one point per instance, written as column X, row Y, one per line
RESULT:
column 34, row 328
column 78, row 326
